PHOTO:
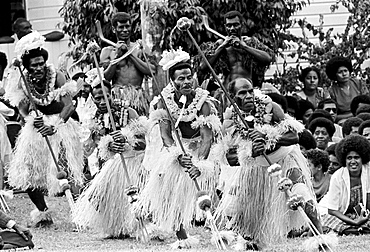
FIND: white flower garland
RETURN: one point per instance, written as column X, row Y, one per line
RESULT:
column 51, row 77
column 190, row 113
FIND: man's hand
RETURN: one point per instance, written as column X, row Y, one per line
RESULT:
column 232, row 156
column 22, row 231
column 235, row 41
column 185, row 160
column 194, row 172
column 117, row 147
column 118, row 137
column 258, row 147
column 121, row 49
column 47, row 130
column 227, row 42
column 255, row 134
column 38, row 122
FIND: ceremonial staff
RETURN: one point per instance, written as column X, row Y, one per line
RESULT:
column 131, row 191
column 183, row 24
column 204, row 201
column 61, row 175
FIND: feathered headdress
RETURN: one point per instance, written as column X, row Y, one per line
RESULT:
column 30, row 41
column 92, row 77
column 172, row 57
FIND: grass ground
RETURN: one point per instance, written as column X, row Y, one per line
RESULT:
column 61, row 236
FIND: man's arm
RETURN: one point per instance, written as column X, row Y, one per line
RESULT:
column 68, row 107
column 212, row 59
column 259, row 55
column 165, row 129
column 105, row 59
column 288, row 138
column 141, row 65
column 205, row 134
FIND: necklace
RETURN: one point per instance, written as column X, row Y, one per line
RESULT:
column 190, row 113
column 48, row 96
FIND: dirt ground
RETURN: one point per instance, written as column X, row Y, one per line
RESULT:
column 62, row 237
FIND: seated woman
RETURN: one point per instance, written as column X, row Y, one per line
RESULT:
column 345, row 87
column 334, row 164
column 311, row 78
column 305, row 111
column 322, row 130
column 347, row 199
column 318, row 161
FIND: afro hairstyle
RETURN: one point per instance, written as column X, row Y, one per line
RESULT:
column 306, row 71
column 355, row 143
column 292, row 103
column 331, row 149
column 279, row 99
column 303, row 107
column 307, row 140
column 363, row 109
column 326, row 101
column 320, row 113
column 33, row 53
column 357, row 100
column 334, row 64
column 318, row 157
column 349, row 123
column 363, row 125
column 322, row 122
column 364, row 116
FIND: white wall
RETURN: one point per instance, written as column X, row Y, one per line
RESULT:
column 44, row 17
column 337, row 20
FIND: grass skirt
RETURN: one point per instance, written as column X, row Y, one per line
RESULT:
column 104, row 205
column 138, row 98
column 169, row 196
column 32, row 165
column 256, row 207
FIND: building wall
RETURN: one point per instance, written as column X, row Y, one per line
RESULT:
column 44, row 17
column 337, row 20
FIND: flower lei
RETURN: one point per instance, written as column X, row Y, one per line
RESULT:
column 191, row 111
column 49, row 95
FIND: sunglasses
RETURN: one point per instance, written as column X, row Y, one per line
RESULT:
column 331, row 109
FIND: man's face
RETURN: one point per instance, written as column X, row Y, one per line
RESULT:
column 123, row 30
column 332, row 109
column 24, row 28
column 322, row 137
column 183, row 80
column 233, row 27
column 244, row 95
column 85, row 90
column 37, row 68
column 98, row 98
column 366, row 133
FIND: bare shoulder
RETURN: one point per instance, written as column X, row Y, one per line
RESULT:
column 60, row 79
column 206, row 109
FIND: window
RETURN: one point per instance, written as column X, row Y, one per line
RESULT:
column 10, row 10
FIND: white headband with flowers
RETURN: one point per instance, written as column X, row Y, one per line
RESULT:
column 30, row 41
column 172, row 57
